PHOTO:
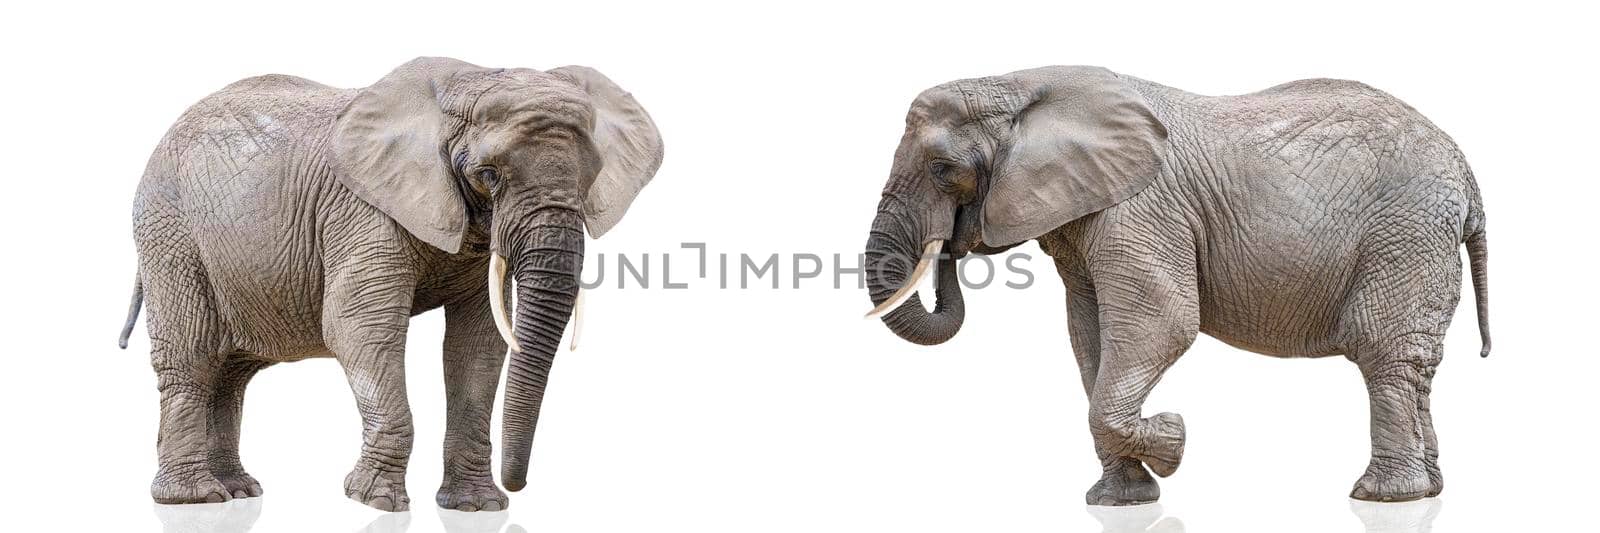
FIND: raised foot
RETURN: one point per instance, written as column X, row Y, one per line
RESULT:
column 1124, row 483
column 1161, row 442
column 380, row 489
column 469, row 495
column 1383, row 483
column 196, row 486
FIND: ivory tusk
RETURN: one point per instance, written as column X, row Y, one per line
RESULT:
column 577, row 321
column 497, row 300
column 930, row 253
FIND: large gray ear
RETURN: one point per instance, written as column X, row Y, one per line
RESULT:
column 629, row 145
column 388, row 150
column 1084, row 141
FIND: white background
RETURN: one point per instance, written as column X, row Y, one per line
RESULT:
column 781, row 410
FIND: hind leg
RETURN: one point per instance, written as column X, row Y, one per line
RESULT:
column 1401, row 313
column 1403, row 467
column 186, row 347
column 227, row 404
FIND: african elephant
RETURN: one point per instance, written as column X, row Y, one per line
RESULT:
column 1314, row 218
column 281, row 219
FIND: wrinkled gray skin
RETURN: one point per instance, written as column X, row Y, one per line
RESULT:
column 1315, row 218
column 281, row 219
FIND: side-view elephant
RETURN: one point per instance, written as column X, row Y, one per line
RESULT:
column 1315, row 218
column 281, row 219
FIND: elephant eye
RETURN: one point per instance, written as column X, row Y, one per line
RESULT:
column 944, row 174
column 489, row 177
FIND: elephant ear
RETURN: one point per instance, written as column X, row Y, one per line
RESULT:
column 388, row 150
column 1083, row 141
column 629, row 146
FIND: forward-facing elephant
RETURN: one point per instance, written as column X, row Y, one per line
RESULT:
column 281, row 219
column 1315, row 218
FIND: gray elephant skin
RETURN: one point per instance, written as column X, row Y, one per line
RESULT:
column 1315, row 218
column 281, row 219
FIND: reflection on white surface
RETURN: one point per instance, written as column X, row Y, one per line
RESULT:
column 474, row 522
column 389, row 523
column 1134, row 519
column 1404, row 517
column 238, row 516
column 233, row 516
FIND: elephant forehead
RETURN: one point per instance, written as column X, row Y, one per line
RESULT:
column 968, row 100
column 534, row 106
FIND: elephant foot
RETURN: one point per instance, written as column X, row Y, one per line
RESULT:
column 472, row 494
column 239, row 483
column 1395, row 483
column 384, row 490
column 188, row 486
column 1160, row 442
column 1125, row 482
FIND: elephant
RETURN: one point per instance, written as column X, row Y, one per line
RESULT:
column 281, row 219
column 1318, row 217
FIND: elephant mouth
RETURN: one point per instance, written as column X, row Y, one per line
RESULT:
column 502, row 318
column 967, row 232
column 925, row 262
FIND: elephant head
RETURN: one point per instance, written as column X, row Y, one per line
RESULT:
column 526, row 159
column 991, row 162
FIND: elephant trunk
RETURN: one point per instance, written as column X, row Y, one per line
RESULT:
column 545, row 258
column 896, row 259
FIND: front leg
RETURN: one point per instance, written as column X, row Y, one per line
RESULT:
column 473, row 357
column 1146, row 292
column 1123, row 480
column 365, row 320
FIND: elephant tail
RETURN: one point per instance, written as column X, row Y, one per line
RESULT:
column 1478, row 255
column 133, row 312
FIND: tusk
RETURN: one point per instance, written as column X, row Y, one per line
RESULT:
column 930, row 253
column 577, row 321
column 497, row 300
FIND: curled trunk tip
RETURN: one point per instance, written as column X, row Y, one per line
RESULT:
column 888, row 281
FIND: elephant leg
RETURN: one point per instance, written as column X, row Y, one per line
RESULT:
column 1123, row 480
column 1404, row 463
column 186, row 347
column 473, row 357
column 227, row 405
column 1401, row 312
column 365, row 322
column 1149, row 315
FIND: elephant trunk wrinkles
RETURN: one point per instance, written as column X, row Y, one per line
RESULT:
column 892, row 252
column 546, row 256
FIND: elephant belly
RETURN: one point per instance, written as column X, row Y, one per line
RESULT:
column 1274, row 274
column 266, row 278
column 256, row 233
column 1298, row 332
